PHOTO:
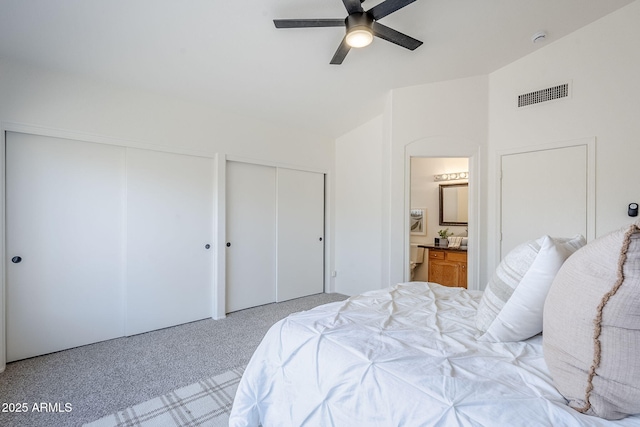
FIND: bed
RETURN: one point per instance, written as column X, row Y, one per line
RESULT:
column 408, row 355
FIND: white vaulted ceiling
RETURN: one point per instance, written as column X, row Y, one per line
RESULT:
column 229, row 54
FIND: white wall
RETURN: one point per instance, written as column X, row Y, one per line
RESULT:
column 38, row 97
column 358, row 209
column 602, row 62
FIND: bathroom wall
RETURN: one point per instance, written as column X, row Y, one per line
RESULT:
column 425, row 193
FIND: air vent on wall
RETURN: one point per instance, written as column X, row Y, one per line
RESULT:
column 543, row 95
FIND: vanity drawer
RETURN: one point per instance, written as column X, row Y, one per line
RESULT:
column 436, row 254
column 457, row 256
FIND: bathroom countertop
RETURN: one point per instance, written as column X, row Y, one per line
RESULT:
column 446, row 248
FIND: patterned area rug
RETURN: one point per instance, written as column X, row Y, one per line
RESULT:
column 205, row 403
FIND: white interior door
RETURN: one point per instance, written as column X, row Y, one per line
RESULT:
column 544, row 192
column 64, row 207
column 300, row 234
column 251, row 235
column 169, row 225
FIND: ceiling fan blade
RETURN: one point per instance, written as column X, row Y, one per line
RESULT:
column 353, row 6
column 308, row 23
column 340, row 54
column 393, row 36
column 387, row 7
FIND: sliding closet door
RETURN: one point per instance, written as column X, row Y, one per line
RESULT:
column 300, row 228
column 169, row 238
column 251, row 235
column 65, row 202
column 275, row 234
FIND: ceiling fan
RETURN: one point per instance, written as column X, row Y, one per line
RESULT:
column 360, row 26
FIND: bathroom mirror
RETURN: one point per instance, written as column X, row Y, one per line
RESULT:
column 454, row 204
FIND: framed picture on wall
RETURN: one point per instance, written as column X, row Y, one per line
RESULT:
column 418, row 223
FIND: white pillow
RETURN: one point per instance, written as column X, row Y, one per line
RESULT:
column 512, row 305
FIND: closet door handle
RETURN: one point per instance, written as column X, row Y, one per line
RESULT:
column 16, row 260
column 320, row 239
column 228, row 244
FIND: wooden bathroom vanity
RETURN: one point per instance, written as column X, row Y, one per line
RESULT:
column 447, row 266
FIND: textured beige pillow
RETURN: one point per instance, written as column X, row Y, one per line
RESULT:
column 592, row 326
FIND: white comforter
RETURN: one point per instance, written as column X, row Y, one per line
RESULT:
column 405, row 356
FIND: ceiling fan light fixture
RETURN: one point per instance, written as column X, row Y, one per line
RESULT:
column 361, row 26
column 359, row 37
column 359, row 30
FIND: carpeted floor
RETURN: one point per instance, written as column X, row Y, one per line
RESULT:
column 80, row 385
